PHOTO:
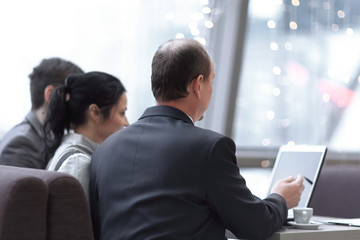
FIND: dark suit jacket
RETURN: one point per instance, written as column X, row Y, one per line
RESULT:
column 23, row 145
column 164, row 178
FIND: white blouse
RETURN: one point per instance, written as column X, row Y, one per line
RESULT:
column 77, row 164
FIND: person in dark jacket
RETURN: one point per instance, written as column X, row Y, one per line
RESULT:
column 164, row 178
column 23, row 145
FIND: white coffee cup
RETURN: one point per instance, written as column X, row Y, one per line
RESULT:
column 303, row 215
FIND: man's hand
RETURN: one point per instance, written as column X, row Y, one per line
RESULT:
column 290, row 189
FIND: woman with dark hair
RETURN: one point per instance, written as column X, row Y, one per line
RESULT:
column 90, row 107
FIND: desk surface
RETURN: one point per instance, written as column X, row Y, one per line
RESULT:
column 325, row 231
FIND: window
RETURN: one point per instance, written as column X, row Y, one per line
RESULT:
column 115, row 36
column 300, row 75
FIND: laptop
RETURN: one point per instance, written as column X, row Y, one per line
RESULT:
column 292, row 160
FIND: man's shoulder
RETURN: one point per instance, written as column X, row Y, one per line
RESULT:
column 207, row 134
column 22, row 132
column 21, row 136
column 22, row 141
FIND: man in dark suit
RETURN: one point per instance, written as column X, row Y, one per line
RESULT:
column 164, row 178
column 23, row 145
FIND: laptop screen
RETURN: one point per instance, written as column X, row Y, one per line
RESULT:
column 306, row 160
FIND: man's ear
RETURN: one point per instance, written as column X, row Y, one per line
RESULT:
column 95, row 113
column 47, row 93
column 196, row 85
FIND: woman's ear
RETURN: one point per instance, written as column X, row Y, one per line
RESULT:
column 95, row 113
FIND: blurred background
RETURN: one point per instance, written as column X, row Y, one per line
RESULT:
column 287, row 71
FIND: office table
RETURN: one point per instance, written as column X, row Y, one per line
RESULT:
column 324, row 232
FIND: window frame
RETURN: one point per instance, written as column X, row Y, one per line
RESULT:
column 226, row 45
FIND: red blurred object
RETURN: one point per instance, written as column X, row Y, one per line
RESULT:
column 339, row 95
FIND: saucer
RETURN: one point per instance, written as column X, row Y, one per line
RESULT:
column 308, row 226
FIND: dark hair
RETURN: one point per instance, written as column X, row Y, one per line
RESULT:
column 69, row 104
column 175, row 64
column 52, row 71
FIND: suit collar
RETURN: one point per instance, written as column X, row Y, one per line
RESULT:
column 35, row 123
column 167, row 111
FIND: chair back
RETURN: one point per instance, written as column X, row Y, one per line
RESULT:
column 41, row 204
column 337, row 193
column 23, row 205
